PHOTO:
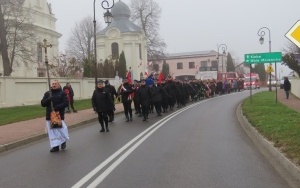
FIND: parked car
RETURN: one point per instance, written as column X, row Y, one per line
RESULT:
column 273, row 82
column 281, row 83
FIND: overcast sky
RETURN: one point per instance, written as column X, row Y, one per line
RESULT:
column 198, row 25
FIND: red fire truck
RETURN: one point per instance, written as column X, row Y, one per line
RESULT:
column 255, row 82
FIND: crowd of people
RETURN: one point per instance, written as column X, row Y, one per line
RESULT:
column 161, row 96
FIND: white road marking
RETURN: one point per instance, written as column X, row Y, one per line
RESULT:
column 144, row 136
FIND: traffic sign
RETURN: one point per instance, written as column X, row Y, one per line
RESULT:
column 270, row 69
column 271, row 57
column 294, row 34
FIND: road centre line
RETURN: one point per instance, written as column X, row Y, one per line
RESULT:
column 114, row 155
column 102, row 176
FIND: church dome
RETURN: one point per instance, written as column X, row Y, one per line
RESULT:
column 120, row 9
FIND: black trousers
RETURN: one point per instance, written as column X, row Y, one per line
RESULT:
column 145, row 110
column 127, row 108
column 102, row 118
column 71, row 103
column 158, row 107
column 137, row 107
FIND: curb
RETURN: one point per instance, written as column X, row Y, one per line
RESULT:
column 19, row 143
column 286, row 169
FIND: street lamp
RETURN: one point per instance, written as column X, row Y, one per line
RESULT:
column 224, row 48
column 262, row 33
column 108, row 19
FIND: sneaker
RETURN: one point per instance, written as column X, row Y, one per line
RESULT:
column 55, row 149
column 63, row 145
column 74, row 111
column 102, row 130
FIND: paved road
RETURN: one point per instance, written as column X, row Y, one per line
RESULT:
column 201, row 145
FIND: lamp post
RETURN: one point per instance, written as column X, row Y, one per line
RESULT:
column 224, row 48
column 108, row 19
column 262, row 33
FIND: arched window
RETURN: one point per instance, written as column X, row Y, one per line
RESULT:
column 115, row 50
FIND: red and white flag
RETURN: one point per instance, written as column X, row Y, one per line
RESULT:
column 128, row 76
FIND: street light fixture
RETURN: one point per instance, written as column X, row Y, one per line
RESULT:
column 108, row 19
column 224, row 48
column 262, row 33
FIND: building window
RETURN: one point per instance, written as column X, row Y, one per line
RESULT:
column 214, row 63
column 191, row 65
column 115, row 50
column 39, row 53
column 179, row 66
column 203, row 63
column 140, row 50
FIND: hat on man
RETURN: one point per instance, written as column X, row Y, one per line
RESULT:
column 100, row 82
column 106, row 82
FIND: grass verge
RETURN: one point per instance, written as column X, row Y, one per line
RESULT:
column 22, row 113
column 276, row 122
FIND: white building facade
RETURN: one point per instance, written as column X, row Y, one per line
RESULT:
column 123, row 35
column 43, row 26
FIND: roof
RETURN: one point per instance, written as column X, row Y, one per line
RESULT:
column 121, row 14
column 191, row 54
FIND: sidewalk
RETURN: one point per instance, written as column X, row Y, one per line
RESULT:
column 20, row 133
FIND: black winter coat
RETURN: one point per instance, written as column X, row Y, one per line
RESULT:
column 60, row 102
column 112, row 91
column 125, row 93
column 157, row 93
column 144, row 95
column 101, row 100
column 287, row 85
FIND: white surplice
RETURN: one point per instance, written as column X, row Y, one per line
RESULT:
column 57, row 136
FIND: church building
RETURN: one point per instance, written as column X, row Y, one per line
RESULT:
column 123, row 35
column 39, row 14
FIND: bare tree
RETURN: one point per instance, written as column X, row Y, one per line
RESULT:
column 16, row 34
column 81, row 42
column 66, row 67
column 146, row 14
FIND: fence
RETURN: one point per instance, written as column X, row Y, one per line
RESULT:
column 29, row 91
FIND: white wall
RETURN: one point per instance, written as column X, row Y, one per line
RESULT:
column 295, row 89
column 28, row 91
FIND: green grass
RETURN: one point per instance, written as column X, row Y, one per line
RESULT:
column 276, row 122
column 22, row 113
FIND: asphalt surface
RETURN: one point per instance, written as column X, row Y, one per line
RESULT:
column 203, row 146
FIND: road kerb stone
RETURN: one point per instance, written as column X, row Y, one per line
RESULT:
column 288, row 170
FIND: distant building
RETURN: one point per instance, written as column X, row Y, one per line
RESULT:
column 43, row 26
column 123, row 35
column 199, row 64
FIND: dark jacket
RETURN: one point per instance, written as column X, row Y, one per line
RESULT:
column 60, row 102
column 112, row 91
column 157, row 93
column 101, row 100
column 125, row 91
column 144, row 95
column 287, row 85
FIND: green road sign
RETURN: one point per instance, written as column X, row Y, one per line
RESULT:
column 271, row 57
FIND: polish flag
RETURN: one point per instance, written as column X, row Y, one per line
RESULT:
column 146, row 72
column 160, row 77
column 128, row 76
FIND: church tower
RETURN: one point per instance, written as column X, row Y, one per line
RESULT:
column 124, row 35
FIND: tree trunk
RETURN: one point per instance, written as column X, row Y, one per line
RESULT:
column 4, row 47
